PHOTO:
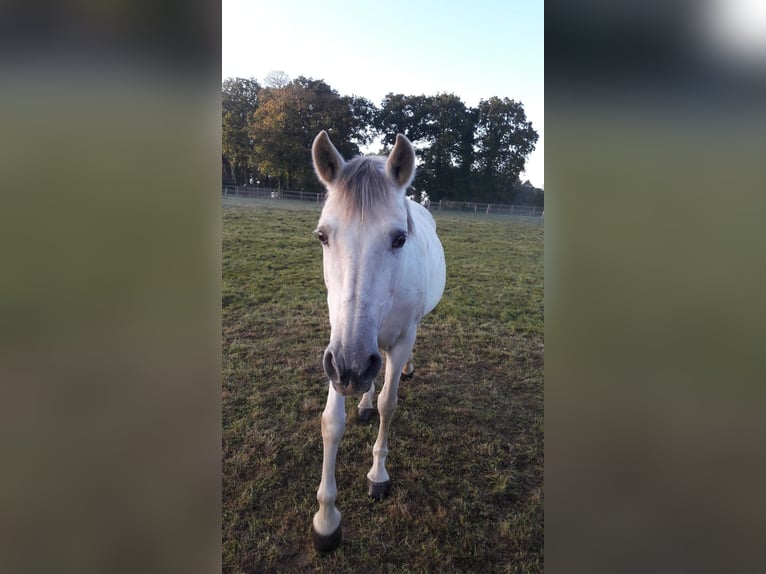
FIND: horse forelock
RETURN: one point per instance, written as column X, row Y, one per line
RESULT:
column 363, row 190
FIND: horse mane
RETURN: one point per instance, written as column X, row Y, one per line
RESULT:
column 363, row 188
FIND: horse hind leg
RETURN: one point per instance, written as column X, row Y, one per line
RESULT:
column 408, row 370
column 365, row 409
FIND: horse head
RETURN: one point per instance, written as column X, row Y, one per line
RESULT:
column 364, row 227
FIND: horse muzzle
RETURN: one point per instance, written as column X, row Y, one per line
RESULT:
column 351, row 373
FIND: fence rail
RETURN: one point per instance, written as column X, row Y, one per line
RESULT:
column 440, row 205
column 271, row 193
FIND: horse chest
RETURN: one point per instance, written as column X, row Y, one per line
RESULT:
column 393, row 326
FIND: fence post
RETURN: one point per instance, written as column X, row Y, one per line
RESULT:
column 489, row 205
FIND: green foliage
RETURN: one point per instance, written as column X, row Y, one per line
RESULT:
column 466, row 455
column 289, row 117
column 448, row 156
column 401, row 114
column 464, row 153
column 504, row 139
column 239, row 101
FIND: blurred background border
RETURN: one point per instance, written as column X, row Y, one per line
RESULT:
column 654, row 280
column 110, row 289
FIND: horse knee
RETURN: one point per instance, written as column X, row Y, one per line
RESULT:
column 387, row 405
column 333, row 428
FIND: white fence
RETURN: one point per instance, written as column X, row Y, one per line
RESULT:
column 487, row 208
column 440, row 205
column 270, row 193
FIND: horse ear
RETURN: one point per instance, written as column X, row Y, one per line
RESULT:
column 401, row 163
column 328, row 163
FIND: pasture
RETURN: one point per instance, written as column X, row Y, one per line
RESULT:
column 466, row 458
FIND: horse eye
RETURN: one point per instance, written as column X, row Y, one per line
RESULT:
column 399, row 241
column 321, row 236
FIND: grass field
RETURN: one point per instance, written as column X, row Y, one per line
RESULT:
column 466, row 443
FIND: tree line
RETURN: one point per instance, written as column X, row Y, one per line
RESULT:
column 464, row 153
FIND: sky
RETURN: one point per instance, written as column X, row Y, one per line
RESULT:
column 475, row 49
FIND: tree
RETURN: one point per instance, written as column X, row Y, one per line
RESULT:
column 441, row 128
column 528, row 194
column 276, row 79
column 463, row 153
column 401, row 114
column 239, row 101
column 504, row 140
column 288, row 119
column 362, row 119
column 447, row 128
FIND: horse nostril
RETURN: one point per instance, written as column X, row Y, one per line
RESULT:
column 330, row 368
column 373, row 366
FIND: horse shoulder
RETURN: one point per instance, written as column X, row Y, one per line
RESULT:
column 434, row 265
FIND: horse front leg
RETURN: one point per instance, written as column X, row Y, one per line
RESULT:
column 378, row 480
column 325, row 527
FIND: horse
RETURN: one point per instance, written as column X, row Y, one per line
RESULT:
column 384, row 270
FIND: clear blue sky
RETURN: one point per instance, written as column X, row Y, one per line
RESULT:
column 475, row 49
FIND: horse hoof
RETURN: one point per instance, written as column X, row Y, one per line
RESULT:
column 326, row 543
column 408, row 376
column 366, row 414
column 378, row 490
